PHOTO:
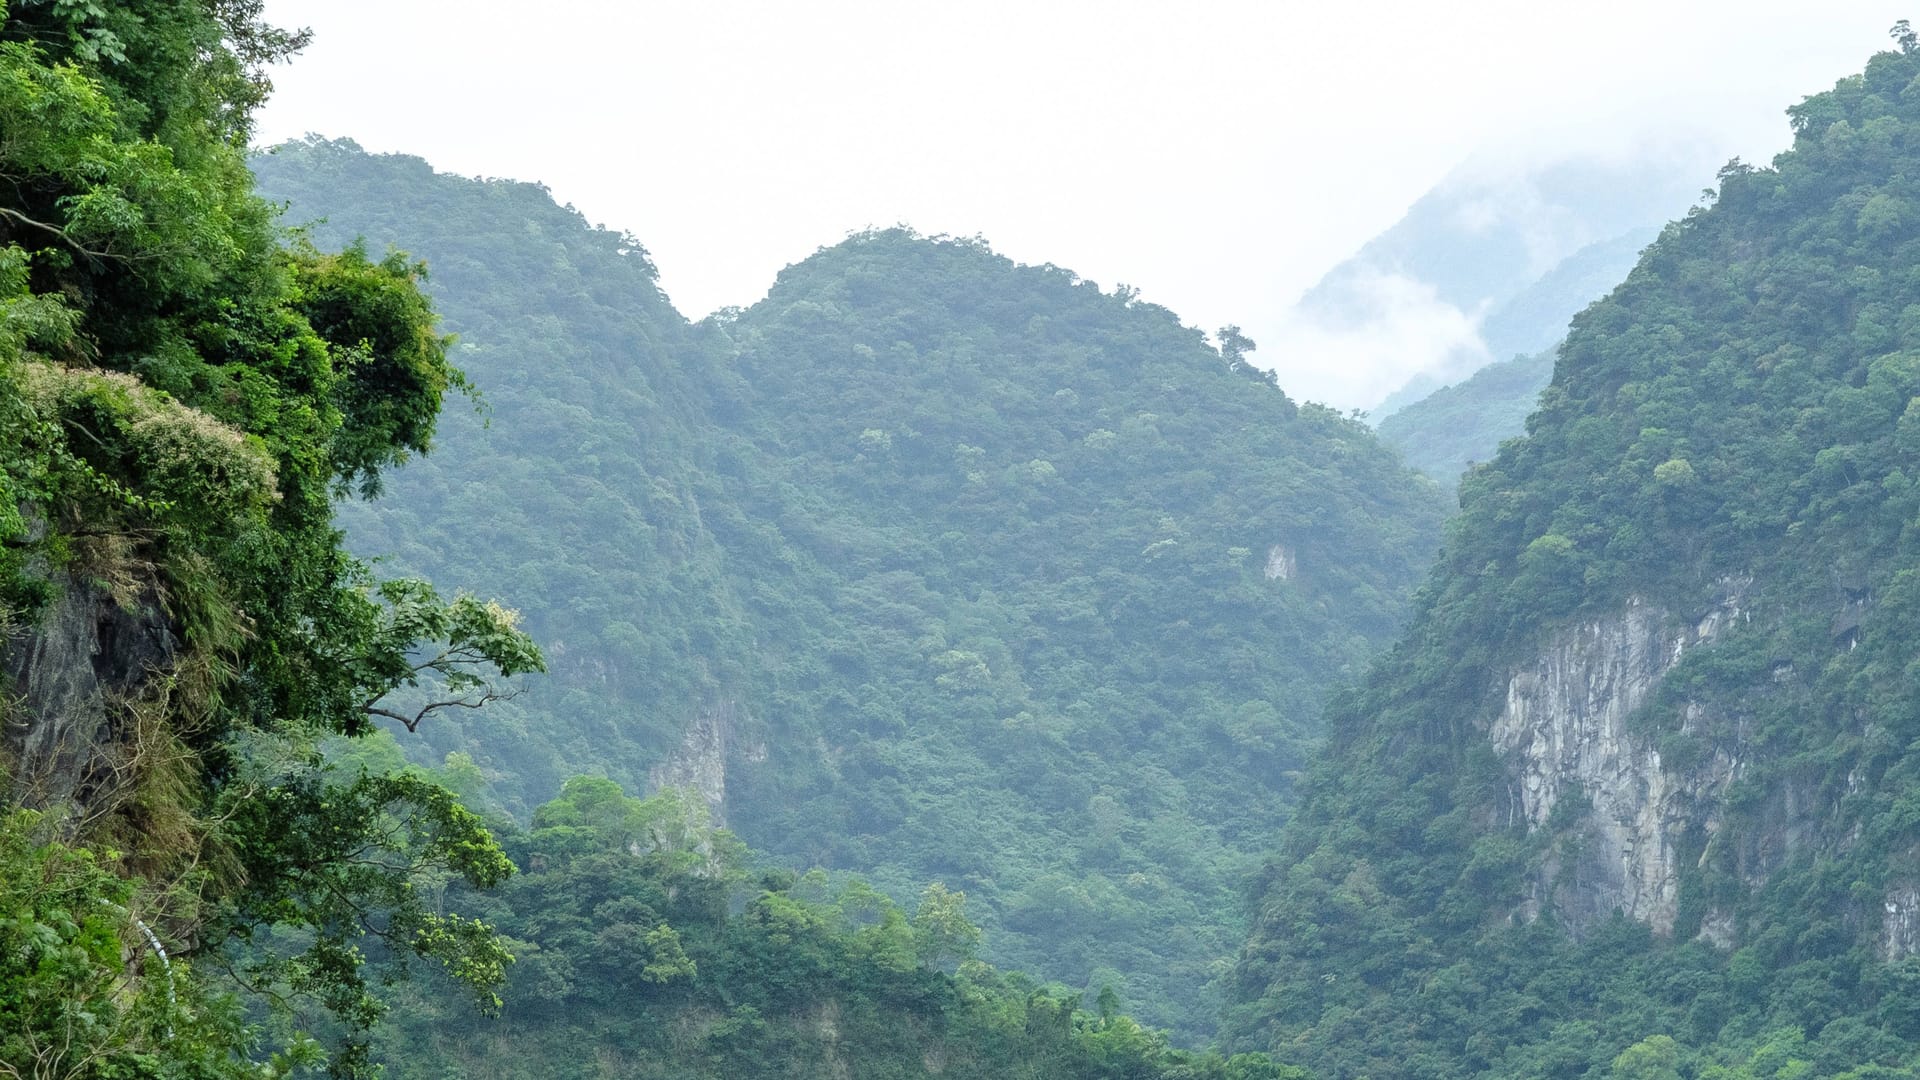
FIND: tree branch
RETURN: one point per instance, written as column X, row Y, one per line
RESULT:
column 412, row 723
column 60, row 234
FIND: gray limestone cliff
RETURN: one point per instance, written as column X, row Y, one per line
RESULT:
column 1621, row 827
column 711, row 741
column 1577, row 767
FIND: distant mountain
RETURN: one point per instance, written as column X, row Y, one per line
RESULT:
column 1534, row 320
column 1441, row 429
column 1416, row 388
column 929, row 566
column 1491, row 264
column 1444, row 432
column 1486, row 232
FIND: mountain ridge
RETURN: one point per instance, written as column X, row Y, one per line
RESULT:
column 928, row 566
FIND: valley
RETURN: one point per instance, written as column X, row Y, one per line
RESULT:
column 428, row 652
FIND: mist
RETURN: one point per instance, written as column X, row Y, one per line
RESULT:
column 1220, row 158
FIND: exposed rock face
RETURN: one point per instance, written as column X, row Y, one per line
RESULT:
column 701, row 761
column 1564, row 735
column 1281, row 563
column 1900, row 930
column 69, row 678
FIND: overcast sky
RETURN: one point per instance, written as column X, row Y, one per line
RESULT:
column 1218, row 156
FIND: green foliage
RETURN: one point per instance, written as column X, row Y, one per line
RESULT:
column 181, row 396
column 638, row 959
column 241, row 380
column 375, row 314
column 1453, row 427
column 341, row 867
column 448, row 651
column 84, row 992
column 966, row 571
column 1733, row 422
column 942, row 934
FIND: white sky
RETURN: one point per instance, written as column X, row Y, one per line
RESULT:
column 1219, row 156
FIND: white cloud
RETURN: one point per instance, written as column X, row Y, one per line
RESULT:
column 1408, row 331
column 1220, row 154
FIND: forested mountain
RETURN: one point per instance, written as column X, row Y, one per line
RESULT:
column 1442, row 433
column 1636, row 792
column 208, row 854
column 962, row 590
column 928, row 566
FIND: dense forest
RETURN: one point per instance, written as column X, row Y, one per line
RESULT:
column 928, row 566
column 648, row 943
column 1635, row 791
column 942, row 667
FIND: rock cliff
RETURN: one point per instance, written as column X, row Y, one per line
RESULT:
column 74, row 676
column 1579, row 768
column 713, row 740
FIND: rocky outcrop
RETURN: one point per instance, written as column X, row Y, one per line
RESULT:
column 70, row 678
column 1620, row 818
column 1282, row 563
column 700, row 763
column 1900, row 928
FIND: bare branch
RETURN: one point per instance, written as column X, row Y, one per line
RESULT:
column 412, row 723
column 61, row 235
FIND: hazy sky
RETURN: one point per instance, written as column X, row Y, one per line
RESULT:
column 1218, row 156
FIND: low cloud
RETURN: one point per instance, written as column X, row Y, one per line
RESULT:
column 1405, row 330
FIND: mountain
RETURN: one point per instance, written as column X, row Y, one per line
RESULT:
column 1454, row 426
column 1534, row 320
column 1442, row 430
column 928, row 566
column 1490, row 264
column 1490, row 229
column 1635, row 792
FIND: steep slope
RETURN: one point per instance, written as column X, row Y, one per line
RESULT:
column 1444, row 432
column 1644, row 765
column 929, row 566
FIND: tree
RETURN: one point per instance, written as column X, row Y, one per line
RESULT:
column 1656, row 1057
column 182, row 395
column 1234, row 347
column 942, row 933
